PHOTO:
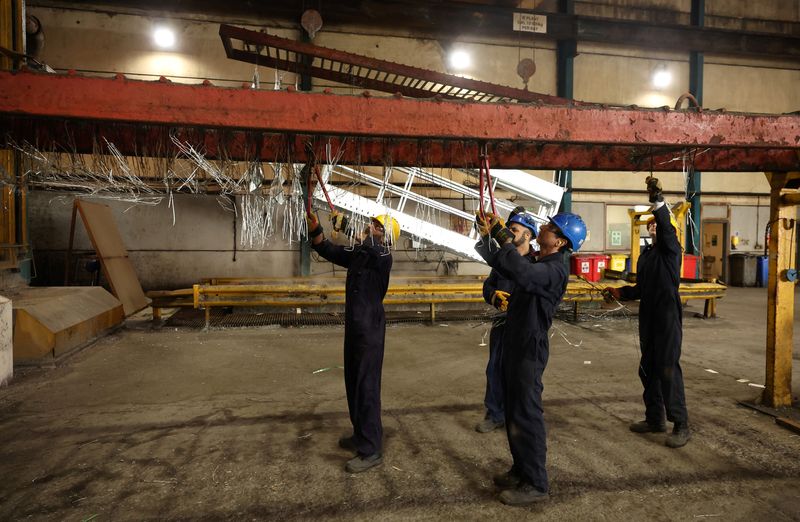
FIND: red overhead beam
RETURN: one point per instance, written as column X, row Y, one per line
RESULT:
column 154, row 140
column 70, row 110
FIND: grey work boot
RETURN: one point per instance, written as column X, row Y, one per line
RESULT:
column 358, row 463
column 508, row 480
column 487, row 425
column 523, row 495
column 646, row 427
column 679, row 437
column 347, row 443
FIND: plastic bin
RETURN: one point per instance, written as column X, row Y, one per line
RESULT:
column 742, row 269
column 584, row 266
column 600, row 263
column 762, row 270
column 689, row 266
column 618, row 262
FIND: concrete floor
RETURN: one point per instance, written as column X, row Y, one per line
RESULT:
column 236, row 424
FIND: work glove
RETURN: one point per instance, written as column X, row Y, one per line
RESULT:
column 611, row 294
column 339, row 221
column 500, row 300
column 515, row 212
column 654, row 189
column 482, row 224
column 314, row 228
column 498, row 230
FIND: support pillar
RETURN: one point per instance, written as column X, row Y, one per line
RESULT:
column 696, row 60
column 566, row 50
column 780, row 308
column 305, row 244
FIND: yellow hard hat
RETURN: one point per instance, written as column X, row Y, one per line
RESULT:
column 390, row 226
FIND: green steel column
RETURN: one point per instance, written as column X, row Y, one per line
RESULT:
column 305, row 246
column 694, row 182
column 566, row 50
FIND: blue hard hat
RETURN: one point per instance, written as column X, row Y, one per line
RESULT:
column 527, row 221
column 572, row 227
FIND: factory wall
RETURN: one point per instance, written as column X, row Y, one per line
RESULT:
column 201, row 242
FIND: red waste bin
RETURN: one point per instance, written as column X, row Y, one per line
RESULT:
column 600, row 264
column 583, row 266
column 689, row 266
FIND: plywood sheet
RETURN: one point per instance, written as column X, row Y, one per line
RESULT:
column 104, row 234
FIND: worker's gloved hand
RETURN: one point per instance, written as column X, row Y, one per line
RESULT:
column 498, row 230
column 482, row 224
column 339, row 221
column 500, row 300
column 314, row 228
column 611, row 294
column 515, row 212
column 654, row 189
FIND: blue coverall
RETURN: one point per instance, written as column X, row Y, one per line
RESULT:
column 368, row 266
column 538, row 290
column 660, row 324
column 493, row 399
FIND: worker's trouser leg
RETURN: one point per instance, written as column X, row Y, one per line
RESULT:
column 493, row 400
column 525, row 417
column 662, row 379
column 363, row 364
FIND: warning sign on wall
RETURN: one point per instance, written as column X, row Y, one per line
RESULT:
column 530, row 23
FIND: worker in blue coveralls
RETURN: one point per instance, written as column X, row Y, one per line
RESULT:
column 496, row 291
column 538, row 289
column 660, row 324
column 368, row 265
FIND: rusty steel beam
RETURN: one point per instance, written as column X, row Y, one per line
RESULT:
column 136, row 116
column 154, row 140
column 364, row 71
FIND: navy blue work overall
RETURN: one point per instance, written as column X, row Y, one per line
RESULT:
column 368, row 266
column 494, row 397
column 660, row 324
column 538, row 290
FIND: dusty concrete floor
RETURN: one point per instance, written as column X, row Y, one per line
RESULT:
column 236, row 424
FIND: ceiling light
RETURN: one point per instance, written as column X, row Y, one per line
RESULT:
column 662, row 78
column 164, row 37
column 460, row 60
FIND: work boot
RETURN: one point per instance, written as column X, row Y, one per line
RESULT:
column 358, row 463
column 679, row 437
column 508, row 480
column 347, row 443
column 487, row 425
column 523, row 495
column 646, row 427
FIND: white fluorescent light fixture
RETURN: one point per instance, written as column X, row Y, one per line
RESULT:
column 662, row 78
column 460, row 60
column 164, row 37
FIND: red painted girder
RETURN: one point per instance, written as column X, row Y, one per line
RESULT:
column 150, row 140
column 68, row 96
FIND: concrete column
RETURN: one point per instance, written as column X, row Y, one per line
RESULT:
column 6, row 353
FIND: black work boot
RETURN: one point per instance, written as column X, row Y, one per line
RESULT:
column 523, row 495
column 347, row 443
column 646, row 427
column 487, row 425
column 358, row 463
column 508, row 480
column 680, row 435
